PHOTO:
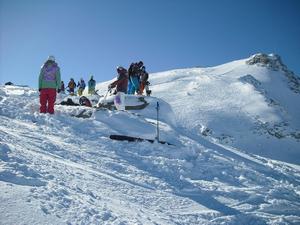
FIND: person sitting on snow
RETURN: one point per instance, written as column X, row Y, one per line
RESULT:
column 121, row 82
column 91, row 86
column 81, row 86
column 49, row 83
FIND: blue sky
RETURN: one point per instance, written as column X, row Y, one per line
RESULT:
column 95, row 36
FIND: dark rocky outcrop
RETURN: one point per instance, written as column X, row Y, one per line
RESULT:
column 274, row 62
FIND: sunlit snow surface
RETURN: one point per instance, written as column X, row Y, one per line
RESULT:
column 65, row 170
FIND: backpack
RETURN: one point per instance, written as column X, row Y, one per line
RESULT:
column 71, row 84
column 49, row 71
column 84, row 101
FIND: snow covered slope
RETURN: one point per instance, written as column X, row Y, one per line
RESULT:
column 61, row 169
column 251, row 104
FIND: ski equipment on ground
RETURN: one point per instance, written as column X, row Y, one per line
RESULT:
column 134, row 139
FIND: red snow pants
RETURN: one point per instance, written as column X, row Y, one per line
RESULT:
column 47, row 100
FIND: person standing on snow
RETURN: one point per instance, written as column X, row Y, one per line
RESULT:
column 91, row 86
column 62, row 87
column 71, row 86
column 122, row 80
column 134, row 77
column 130, row 72
column 49, row 83
column 143, row 79
column 81, row 86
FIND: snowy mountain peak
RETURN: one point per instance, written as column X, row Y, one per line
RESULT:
column 273, row 62
column 238, row 102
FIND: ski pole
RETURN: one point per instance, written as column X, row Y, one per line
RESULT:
column 157, row 121
column 106, row 94
column 101, row 100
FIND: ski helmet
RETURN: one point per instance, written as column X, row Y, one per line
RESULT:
column 140, row 63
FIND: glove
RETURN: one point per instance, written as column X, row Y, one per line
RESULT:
column 39, row 90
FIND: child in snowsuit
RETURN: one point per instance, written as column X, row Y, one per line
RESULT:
column 49, row 83
column 91, row 86
column 71, row 86
column 81, row 86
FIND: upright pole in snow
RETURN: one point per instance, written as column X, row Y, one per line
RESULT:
column 157, row 121
column 106, row 94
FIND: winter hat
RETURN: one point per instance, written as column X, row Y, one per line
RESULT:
column 120, row 68
column 51, row 58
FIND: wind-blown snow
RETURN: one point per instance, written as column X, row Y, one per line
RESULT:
column 221, row 168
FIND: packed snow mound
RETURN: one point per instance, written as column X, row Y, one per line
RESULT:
column 238, row 102
column 144, row 106
column 23, row 103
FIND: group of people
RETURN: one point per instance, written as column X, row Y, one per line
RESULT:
column 131, row 81
column 80, row 85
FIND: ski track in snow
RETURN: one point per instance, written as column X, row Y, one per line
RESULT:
column 65, row 170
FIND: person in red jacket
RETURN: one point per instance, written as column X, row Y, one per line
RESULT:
column 122, row 80
column 49, row 83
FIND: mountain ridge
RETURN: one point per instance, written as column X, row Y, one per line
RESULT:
column 258, row 89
